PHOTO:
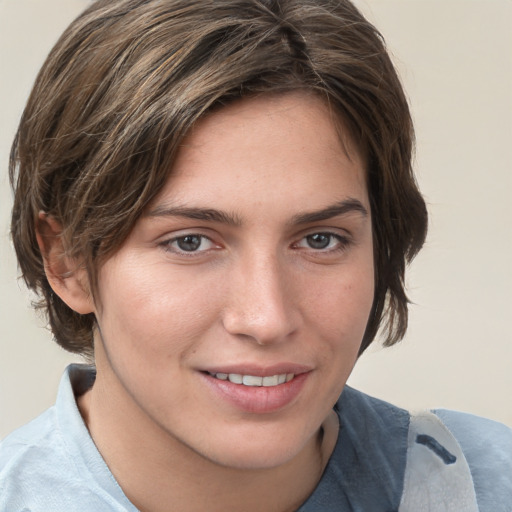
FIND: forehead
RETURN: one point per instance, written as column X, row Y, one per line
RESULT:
column 265, row 149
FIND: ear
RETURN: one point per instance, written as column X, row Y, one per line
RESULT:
column 66, row 276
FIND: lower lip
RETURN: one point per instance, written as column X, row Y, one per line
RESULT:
column 257, row 399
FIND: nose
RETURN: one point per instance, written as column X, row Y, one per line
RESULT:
column 261, row 306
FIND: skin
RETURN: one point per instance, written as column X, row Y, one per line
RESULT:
column 261, row 284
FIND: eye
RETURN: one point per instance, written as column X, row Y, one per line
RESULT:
column 323, row 242
column 191, row 243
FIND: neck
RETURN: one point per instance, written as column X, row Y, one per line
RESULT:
column 158, row 469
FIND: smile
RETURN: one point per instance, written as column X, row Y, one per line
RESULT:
column 268, row 392
column 254, row 380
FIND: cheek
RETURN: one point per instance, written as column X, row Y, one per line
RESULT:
column 153, row 311
column 340, row 306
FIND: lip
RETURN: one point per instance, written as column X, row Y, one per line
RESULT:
column 258, row 370
column 256, row 400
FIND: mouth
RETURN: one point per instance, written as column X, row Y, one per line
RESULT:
column 255, row 390
column 255, row 380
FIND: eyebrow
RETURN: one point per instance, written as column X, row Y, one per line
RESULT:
column 212, row 215
column 196, row 213
column 345, row 207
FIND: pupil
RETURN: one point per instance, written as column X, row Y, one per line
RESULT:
column 189, row 243
column 319, row 241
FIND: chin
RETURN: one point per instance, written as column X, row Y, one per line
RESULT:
column 255, row 453
column 259, row 459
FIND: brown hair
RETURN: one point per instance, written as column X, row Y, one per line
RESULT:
column 129, row 78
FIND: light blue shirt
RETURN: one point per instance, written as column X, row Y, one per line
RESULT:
column 52, row 464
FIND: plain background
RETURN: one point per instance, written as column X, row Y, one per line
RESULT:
column 455, row 59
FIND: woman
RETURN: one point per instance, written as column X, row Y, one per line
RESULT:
column 216, row 203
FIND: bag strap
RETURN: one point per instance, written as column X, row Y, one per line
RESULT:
column 437, row 475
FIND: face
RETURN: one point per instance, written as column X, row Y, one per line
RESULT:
column 232, row 316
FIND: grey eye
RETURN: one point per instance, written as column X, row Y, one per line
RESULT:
column 192, row 244
column 319, row 240
column 189, row 243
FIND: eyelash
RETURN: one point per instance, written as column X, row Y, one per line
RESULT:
column 342, row 243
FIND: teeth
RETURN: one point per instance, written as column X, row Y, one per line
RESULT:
column 251, row 380
column 254, row 380
column 235, row 378
column 270, row 381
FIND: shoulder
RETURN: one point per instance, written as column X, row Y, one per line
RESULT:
column 42, row 441
column 52, row 464
column 479, row 435
column 32, row 440
column 459, row 462
column 460, row 457
column 29, row 458
column 487, row 447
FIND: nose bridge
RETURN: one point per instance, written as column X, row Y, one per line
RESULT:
column 261, row 302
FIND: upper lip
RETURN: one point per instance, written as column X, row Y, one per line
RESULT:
column 259, row 370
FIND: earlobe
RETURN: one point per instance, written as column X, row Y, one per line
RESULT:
column 67, row 278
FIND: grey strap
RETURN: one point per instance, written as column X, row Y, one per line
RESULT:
column 437, row 475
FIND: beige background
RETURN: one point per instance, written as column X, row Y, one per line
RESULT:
column 455, row 57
